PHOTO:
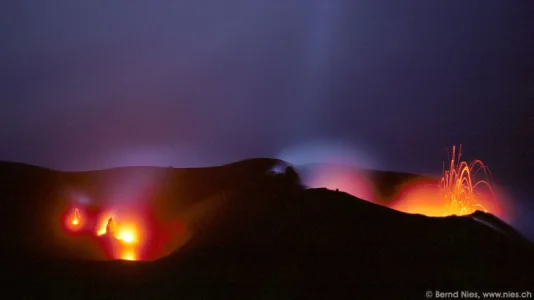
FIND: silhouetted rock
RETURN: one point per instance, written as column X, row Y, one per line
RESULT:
column 252, row 235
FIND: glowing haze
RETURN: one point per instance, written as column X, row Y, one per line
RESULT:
column 334, row 165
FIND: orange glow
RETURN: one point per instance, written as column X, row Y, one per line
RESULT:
column 421, row 198
column 128, row 254
column 122, row 231
column 74, row 220
column 125, row 231
column 457, row 192
column 101, row 228
column 460, row 189
column 128, row 234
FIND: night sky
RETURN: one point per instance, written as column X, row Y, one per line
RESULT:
column 95, row 84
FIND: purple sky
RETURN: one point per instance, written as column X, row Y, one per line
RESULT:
column 93, row 84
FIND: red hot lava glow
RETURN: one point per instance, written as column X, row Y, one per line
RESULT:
column 125, row 234
column 74, row 220
column 457, row 193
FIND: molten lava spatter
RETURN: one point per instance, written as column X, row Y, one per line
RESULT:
column 458, row 192
column 74, row 221
column 126, row 233
column 125, row 238
column 460, row 189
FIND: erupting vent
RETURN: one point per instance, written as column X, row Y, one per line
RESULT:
column 458, row 192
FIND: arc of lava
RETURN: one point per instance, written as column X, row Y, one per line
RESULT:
column 458, row 187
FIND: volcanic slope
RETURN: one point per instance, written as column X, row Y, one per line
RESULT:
column 258, row 234
column 384, row 187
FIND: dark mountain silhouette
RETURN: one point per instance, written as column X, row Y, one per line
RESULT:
column 253, row 232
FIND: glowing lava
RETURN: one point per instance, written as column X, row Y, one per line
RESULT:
column 126, row 232
column 74, row 221
column 125, row 236
column 457, row 193
column 460, row 189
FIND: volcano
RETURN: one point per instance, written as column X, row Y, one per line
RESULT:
column 249, row 229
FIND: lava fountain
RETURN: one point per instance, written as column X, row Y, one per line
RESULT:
column 74, row 220
column 458, row 192
column 460, row 189
column 125, row 235
column 132, row 232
